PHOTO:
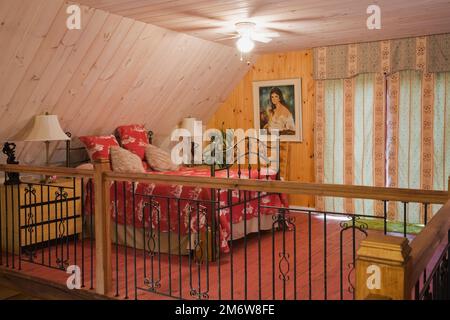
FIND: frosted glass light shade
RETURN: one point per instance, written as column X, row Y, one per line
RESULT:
column 245, row 44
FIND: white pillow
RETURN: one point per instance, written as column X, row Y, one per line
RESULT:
column 159, row 159
column 123, row 160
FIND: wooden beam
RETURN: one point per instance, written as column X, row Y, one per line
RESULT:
column 382, row 267
column 44, row 289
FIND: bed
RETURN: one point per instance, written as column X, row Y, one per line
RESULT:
column 180, row 219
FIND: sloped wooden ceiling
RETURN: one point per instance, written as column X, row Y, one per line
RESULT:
column 302, row 24
column 113, row 71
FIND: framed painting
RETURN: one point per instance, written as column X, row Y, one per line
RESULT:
column 277, row 105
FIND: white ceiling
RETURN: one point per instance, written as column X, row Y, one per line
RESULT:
column 301, row 24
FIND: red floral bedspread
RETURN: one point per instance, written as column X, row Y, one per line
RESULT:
column 187, row 205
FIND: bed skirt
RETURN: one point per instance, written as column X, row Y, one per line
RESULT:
column 124, row 235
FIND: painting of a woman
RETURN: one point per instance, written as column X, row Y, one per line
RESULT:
column 277, row 115
column 277, row 106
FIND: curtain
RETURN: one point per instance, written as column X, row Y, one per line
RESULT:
column 441, row 132
column 405, row 144
column 350, row 139
column 430, row 54
column 418, row 136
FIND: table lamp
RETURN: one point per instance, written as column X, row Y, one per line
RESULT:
column 46, row 128
column 189, row 124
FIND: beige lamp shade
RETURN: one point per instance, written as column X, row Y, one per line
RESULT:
column 45, row 128
column 188, row 124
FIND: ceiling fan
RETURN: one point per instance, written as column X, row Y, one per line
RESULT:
column 246, row 34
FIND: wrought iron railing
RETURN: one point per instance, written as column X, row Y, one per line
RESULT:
column 272, row 252
column 436, row 284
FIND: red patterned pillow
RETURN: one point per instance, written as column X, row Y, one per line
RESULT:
column 133, row 138
column 98, row 146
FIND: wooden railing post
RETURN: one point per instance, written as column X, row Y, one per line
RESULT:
column 383, row 265
column 103, row 272
column 448, row 188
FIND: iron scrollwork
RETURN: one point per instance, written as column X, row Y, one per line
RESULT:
column 30, row 197
column 355, row 225
column 61, row 197
column 151, row 283
column 283, row 222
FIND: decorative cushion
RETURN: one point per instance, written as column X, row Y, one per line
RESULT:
column 134, row 138
column 159, row 159
column 98, row 146
column 125, row 161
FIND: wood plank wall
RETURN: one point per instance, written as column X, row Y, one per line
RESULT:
column 237, row 111
column 113, row 71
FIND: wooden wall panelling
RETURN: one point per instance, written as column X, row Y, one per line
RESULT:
column 13, row 101
column 120, row 83
column 101, row 74
column 55, row 62
column 237, row 110
column 190, row 89
column 104, row 75
column 98, row 25
column 19, row 62
column 10, row 26
column 17, row 27
column 75, row 85
column 38, row 65
column 162, row 78
column 155, row 70
column 68, row 55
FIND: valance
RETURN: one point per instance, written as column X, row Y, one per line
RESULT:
column 429, row 54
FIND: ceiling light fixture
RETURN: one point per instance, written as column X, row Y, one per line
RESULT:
column 245, row 44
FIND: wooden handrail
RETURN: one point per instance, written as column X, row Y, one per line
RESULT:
column 290, row 187
column 424, row 246
column 62, row 171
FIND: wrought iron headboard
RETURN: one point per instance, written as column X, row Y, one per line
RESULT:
column 247, row 154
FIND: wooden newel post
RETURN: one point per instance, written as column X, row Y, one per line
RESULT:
column 103, row 272
column 383, row 265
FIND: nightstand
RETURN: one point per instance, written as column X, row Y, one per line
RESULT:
column 42, row 212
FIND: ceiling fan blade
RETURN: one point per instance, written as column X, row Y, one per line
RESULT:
column 228, row 38
column 283, row 31
column 314, row 18
column 200, row 15
column 268, row 34
column 194, row 29
column 260, row 38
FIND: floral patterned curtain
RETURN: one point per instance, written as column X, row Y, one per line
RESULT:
column 350, row 131
column 361, row 141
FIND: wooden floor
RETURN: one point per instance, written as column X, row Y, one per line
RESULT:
column 10, row 294
column 319, row 273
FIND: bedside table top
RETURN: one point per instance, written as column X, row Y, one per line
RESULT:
column 63, row 181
